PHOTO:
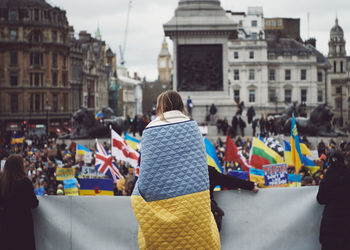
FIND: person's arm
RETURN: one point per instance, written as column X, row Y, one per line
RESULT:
column 229, row 181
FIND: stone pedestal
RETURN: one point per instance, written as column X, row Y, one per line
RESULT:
column 200, row 30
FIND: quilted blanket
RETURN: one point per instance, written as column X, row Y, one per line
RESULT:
column 171, row 199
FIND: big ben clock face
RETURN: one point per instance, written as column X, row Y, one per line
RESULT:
column 162, row 63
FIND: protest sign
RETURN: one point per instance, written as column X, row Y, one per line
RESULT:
column 2, row 165
column 40, row 191
column 87, row 157
column 70, row 187
column 64, row 173
column 294, row 180
column 88, row 172
column 276, row 175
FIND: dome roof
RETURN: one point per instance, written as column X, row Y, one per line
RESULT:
column 24, row 3
column 337, row 31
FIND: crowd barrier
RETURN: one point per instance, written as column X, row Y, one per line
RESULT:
column 274, row 219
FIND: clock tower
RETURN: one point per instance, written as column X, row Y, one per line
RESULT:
column 164, row 63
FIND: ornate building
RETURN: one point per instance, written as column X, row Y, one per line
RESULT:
column 339, row 77
column 34, row 63
column 164, row 63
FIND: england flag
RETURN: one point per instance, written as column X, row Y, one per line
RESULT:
column 122, row 151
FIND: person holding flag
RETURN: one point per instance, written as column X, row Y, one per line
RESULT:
column 295, row 147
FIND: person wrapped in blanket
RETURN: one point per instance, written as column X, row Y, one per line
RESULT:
column 171, row 198
column 227, row 181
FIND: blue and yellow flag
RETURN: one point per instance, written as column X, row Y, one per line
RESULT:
column 131, row 141
column 96, row 187
column 81, row 150
column 295, row 147
column 17, row 138
column 212, row 158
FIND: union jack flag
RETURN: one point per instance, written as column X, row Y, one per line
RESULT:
column 105, row 163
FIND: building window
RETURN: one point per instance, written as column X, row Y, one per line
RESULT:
column 31, row 104
column 272, row 95
column 251, row 95
column 37, row 102
column 303, row 95
column 273, row 23
column 54, row 78
column 55, row 102
column 251, row 74
column 319, row 95
column 64, row 78
column 36, row 14
column 267, row 23
column 65, row 102
column 341, row 66
column 272, row 74
column 236, row 95
column 287, row 95
column 14, row 103
column 36, row 79
column 279, row 23
column 287, row 76
column 14, row 79
column 236, row 74
column 339, row 103
column 338, row 90
column 319, row 76
column 36, row 58
column 65, row 62
column 335, row 67
column 254, row 23
column 13, row 35
column 13, row 15
column 303, row 74
column 54, row 36
column 14, row 58
column 254, row 35
column 251, row 54
column 235, row 55
column 54, row 60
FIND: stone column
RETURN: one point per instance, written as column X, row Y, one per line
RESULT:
column 200, row 31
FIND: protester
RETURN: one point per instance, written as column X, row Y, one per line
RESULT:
column 189, row 106
column 17, row 198
column 212, row 111
column 334, row 193
column 227, row 181
column 173, row 181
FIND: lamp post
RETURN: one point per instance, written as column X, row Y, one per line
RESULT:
column 47, row 108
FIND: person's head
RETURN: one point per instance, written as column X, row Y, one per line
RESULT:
column 13, row 171
column 168, row 101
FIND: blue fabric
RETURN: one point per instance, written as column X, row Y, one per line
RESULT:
column 240, row 174
column 173, row 162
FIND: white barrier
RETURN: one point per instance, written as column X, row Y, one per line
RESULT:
column 286, row 218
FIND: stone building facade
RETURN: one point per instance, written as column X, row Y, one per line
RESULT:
column 339, row 77
column 34, row 63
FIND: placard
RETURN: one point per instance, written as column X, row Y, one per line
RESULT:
column 87, row 157
column 276, row 175
column 64, row 173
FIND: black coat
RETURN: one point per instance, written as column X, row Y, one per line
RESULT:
column 19, row 228
column 334, row 193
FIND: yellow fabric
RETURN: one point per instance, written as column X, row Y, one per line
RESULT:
column 183, row 222
column 304, row 150
column 94, row 193
column 132, row 144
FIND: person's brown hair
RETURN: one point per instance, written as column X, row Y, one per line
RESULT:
column 168, row 101
column 13, row 171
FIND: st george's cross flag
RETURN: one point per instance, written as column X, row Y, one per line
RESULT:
column 105, row 163
column 122, row 151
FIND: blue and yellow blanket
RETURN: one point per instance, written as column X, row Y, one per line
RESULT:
column 171, row 198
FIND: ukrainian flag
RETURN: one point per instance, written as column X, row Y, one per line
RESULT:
column 131, row 141
column 81, row 150
column 212, row 158
column 297, row 157
column 17, row 138
column 257, row 175
column 96, row 187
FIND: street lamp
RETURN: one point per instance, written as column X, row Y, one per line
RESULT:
column 47, row 108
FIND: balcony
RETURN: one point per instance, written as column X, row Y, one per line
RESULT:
column 276, row 218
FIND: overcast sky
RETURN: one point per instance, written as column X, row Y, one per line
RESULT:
column 145, row 33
